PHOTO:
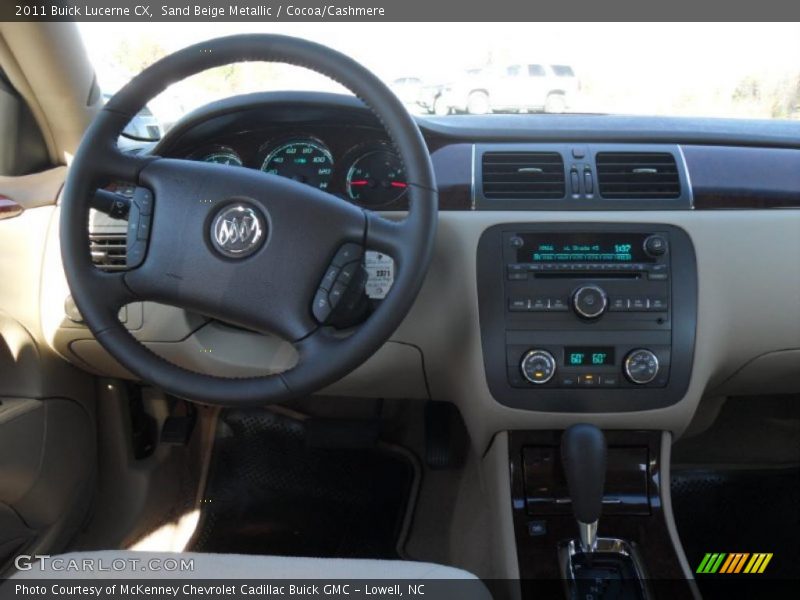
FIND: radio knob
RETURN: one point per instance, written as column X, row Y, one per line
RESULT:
column 538, row 366
column 641, row 366
column 589, row 301
column 655, row 245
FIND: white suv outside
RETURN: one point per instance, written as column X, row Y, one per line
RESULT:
column 516, row 87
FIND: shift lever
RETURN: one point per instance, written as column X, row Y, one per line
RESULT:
column 583, row 455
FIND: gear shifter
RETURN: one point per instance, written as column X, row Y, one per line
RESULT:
column 583, row 455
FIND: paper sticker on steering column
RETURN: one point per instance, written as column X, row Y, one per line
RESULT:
column 380, row 274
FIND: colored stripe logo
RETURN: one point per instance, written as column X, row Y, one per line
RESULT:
column 736, row 562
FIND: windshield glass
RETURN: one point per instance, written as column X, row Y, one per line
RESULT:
column 704, row 70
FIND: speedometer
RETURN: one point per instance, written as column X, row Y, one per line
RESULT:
column 376, row 178
column 223, row 156
column 306, row 161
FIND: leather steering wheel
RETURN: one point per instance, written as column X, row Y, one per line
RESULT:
column 265, row 279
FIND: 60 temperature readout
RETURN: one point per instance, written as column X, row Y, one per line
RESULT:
column 588, row 356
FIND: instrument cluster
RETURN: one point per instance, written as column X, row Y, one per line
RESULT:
column 368, row 172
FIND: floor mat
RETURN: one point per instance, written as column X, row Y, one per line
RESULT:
column 269, row 492
column 739, row 511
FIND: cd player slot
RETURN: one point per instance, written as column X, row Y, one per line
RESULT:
column 588, row 274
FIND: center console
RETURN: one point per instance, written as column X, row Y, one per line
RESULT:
column 636, row 551
column 593, row 317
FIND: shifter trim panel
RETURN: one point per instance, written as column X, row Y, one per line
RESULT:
column 539, row 535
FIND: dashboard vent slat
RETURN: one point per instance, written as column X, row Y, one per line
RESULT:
column 640, row 175
column 108, row 251
column 523, row 175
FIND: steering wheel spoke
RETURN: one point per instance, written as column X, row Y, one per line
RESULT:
column 123, row 166
column 386, row 235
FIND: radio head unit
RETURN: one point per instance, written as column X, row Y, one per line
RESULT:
column 587, row 317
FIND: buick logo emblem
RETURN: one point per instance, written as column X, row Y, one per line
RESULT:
column 238, row 230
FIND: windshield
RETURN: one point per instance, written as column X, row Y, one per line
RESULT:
column 703, row 70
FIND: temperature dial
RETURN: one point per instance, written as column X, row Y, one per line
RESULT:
column 538, row 366
column 641, row 366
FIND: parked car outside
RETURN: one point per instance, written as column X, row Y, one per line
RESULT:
column 513, row 88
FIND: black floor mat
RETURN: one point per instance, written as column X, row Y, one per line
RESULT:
column 739, row 511
column 270, row 493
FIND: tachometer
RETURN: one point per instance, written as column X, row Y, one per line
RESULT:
column 223, row 156
column 305, row 161
column 376, row 178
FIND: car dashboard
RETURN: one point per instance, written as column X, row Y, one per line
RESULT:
column 618, row 267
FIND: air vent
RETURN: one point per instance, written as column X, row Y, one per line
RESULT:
column 108, row 251
column 523, row 175
column 637, row 175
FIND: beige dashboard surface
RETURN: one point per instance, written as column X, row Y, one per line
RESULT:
column 749, row 299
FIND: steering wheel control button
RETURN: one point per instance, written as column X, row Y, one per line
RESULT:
column 321, row 307
column 538, row 366
column 139, row 226
column 348, row 271
column 589, row 301
column 238, row 230
column 655, row 245
column 143, row 230
column 143, row 199
column 336, row 294
column 346, row 254
column 641, row 366
column 330, row 278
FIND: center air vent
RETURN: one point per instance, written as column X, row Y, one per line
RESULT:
column 637, row 175
column 523, row 175
column 108, row 251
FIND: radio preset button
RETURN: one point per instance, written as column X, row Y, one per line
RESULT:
column 539, row 304
column 618, row 304
column 517, row 304
column 589, row 301
column 538, row 366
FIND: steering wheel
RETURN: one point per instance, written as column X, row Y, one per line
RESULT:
column 240, row 245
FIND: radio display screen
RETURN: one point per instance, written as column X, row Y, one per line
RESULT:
column 582, row 248
column 588, row 356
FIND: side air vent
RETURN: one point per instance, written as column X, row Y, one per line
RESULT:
column 523, row 175
column 108, row 251
column 637, row 175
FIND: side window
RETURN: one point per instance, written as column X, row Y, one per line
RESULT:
column 513, row 71
column 22, row 148
column 536, row 71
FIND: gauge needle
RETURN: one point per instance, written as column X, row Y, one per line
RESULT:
column 359, row 182
column 398, row 184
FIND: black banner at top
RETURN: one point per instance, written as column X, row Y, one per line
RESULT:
column 399, row 10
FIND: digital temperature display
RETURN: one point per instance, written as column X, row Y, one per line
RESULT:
column 582, row 248
column 588, row 356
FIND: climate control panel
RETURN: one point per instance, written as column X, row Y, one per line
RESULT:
column 588, row 367
column 589, row 317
